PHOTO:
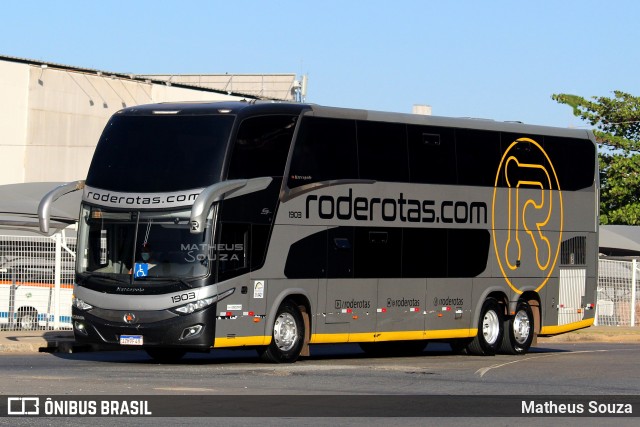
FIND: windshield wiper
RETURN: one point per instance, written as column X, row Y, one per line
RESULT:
column 86, row 275
column 164, row 279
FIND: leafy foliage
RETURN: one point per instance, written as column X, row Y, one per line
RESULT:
column 617, row 123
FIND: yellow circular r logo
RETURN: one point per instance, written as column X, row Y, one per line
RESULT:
column 527, row 215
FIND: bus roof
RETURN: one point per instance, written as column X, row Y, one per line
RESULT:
column 251, row 107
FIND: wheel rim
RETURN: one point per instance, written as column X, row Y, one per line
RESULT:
column 285, row 332
column 490, row 327
column 27, row 322
column 521, row 327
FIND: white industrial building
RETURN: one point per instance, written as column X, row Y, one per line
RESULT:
column 52, row 115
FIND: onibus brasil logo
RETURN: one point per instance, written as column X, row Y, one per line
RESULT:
column 527, row 219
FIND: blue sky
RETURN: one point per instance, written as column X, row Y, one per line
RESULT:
column 491, row 59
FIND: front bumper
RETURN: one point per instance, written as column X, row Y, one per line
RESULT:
column 161, row 328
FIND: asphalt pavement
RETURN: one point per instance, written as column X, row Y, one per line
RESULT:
column 63, row 341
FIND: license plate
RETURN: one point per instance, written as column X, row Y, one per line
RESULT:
column 131, row 340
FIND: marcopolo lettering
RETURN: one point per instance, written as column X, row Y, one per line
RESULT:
column 348, row 207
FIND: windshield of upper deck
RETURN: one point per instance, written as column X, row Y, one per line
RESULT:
column 160, row 153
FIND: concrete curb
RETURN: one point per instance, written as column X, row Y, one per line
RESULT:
column 612, row 334
column 36, row 341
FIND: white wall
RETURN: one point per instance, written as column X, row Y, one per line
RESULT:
column 14, row 94
column 51, row 119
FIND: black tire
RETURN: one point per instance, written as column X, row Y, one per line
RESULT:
column 490, row 330
column 28, row 320
column 518, row 331
column 165, row 355
column 394, row 348
column 287, row 335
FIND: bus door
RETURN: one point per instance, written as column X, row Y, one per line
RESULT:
column 350, row 300
column 398, row 301
column 233, row 257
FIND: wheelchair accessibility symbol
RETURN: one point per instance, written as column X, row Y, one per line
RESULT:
column 527, row 215
column 140, row 270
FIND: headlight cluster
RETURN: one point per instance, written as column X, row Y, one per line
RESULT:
column 195, row 306
column 80, row 305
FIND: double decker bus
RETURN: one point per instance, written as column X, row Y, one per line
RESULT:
column 277, row 226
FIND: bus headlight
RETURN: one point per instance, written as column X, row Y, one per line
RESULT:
column 80, row 305
column 195, row 306
column 203, row 303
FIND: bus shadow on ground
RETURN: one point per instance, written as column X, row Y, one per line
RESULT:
column 250, row 356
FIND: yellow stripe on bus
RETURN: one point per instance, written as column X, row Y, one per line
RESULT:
column 554, row 330
column 354, row 337
column 388, row 336
column 392, row 336
column 242, row 341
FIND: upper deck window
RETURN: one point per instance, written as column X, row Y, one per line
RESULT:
column 160, row 153
column 325, row 151
column 262, row 146
column 432, row 154
column 382, row 151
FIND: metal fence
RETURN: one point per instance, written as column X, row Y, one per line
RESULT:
column 618, row 294
column 36, row 281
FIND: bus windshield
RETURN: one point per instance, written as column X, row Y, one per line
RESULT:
column 138, row 153
column 141, row 245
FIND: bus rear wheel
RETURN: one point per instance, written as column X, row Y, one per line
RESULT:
column 287, row 335
column 490, row 330
column 518, row 330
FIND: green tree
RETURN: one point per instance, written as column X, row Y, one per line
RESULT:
column 617, row 129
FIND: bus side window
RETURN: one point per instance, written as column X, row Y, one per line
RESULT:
column 262, row 146
column 382, row 151
column 259, row 243
column 468, row 252
column 478, row 154
column 232, row 251
column 307, row 258
column 340, row 252
column 525, row 153
column 431, row 155
column 565, row 154
column 424, row 252
column 325, row 150
column 378, row 252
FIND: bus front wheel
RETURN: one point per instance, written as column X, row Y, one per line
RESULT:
column 490, row 329
column 518, row 330
column 287, row 335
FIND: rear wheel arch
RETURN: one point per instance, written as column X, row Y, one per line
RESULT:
column 499, row 296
